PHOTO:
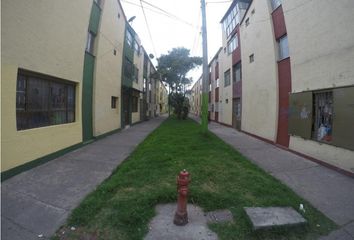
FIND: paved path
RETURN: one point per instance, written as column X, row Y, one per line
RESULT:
column 39, row 201
column 329, row 191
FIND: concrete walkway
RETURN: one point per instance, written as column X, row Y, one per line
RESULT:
column 329, row 191
column 39, row 201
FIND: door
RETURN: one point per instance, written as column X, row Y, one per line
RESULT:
column 126, row 109
column 236, row 113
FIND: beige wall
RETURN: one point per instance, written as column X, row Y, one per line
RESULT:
column 225, row 109
column 321, row 43
column 259, row 78
column 321, row 46
column 30, row 41
column 108, row 69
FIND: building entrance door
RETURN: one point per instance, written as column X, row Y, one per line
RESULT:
column 236, row 113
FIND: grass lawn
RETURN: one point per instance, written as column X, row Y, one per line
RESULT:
column 122, row 206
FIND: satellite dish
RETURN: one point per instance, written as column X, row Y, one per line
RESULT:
column 131, row 19
column 151, row 56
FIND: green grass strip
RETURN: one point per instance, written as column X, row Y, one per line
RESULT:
column 122, row 206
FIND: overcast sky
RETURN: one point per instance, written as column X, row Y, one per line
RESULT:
column 176, row 24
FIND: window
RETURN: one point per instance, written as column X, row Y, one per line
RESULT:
column 227, row 78
column 98, row 2
column 209, row 87
column 236, row 72
column 311, row 116
column 136, row 47
column 135, row 101
column 90, row 42
column 231, row 21
column 323, row 116
column 136, row 74
column 232, row 44
column 128, row 68
column 251, row 58
column 237, row 108
column 217, row 82
column 283, row 47
column 114, row 101
column 144, row 85
column 43, row 101
column 275, row 3
column 247, row 22
column 129, row 39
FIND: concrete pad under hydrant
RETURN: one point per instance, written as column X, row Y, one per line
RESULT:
column 162, row 226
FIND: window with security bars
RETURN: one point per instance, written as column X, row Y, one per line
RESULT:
column 323, row 116
column 43, row 101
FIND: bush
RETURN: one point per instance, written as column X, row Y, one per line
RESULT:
column 180, row 105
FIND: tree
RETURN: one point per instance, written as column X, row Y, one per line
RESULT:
column 172, row 68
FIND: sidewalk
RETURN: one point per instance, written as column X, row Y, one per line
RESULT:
column 329, row 191
column 39, row 201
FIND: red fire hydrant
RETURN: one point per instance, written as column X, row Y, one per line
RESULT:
column 181, row 216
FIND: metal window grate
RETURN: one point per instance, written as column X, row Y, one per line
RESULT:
column 323, row 116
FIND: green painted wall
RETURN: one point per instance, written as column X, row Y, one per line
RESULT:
column 127, row 83
column 87, row 92
column 88, row 75
column 95, row 18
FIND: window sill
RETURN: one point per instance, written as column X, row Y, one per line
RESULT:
column 276, row 8
column 91, row 54
column 283, row 59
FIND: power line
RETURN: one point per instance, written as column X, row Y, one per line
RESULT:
column 196, row 36
column 168, row 13
column 150, row 9
column 148, row 28
column 161, row 12
column 228, row 1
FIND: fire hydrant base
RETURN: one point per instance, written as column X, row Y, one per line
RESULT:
column 161, row 227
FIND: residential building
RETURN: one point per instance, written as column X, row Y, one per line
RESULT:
column 230, row 92
column 196, row 98
column 282, row 79
column 214, row 87
column 306, row 103
column 64, row 86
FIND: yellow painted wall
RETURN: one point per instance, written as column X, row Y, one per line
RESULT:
column 259, row 78
column 321, row 45
column 48, row 37
column 339, row 157
column 108, row 69
column 225, row 109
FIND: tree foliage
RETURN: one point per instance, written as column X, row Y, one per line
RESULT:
column 174, row 66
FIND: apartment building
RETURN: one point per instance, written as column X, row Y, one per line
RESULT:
column 65, row 77
column 286, row 76
column 196, row 98
column 214, row 87
column 307, row 103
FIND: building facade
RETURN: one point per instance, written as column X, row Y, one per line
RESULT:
column 282, row 79
column 66, row 85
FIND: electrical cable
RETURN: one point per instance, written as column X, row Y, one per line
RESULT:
column 148, row 28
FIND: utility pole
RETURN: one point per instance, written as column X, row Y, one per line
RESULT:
column 205, row 82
